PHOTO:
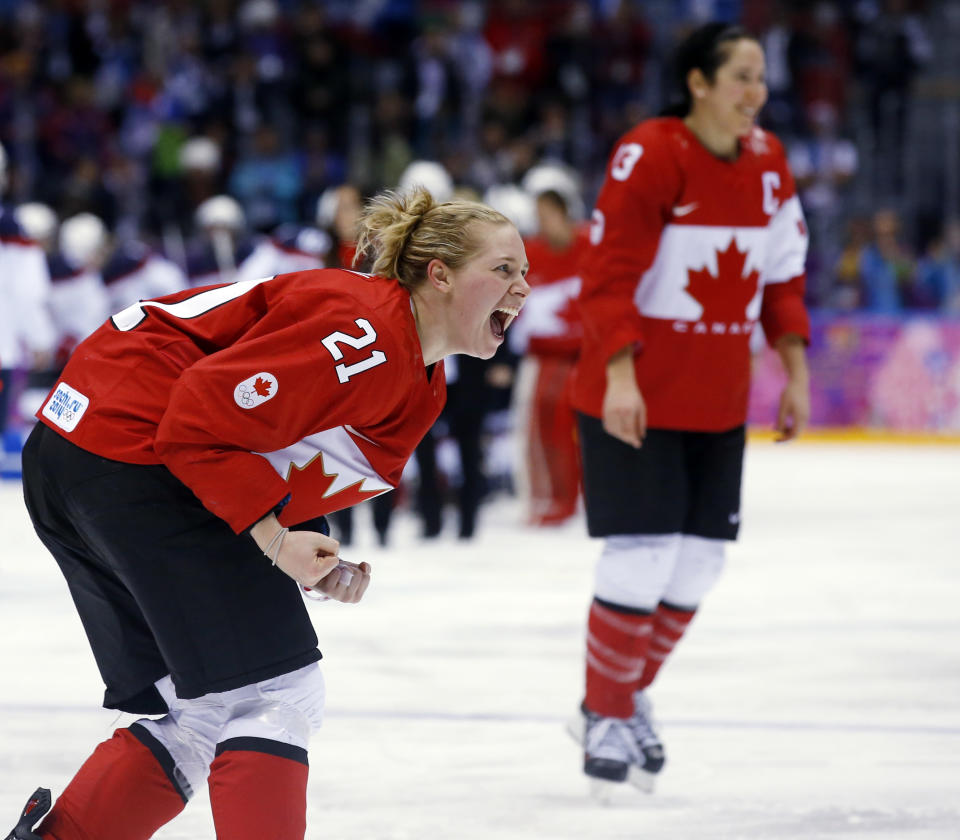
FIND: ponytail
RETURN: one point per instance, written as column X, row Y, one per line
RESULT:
column 401, row 232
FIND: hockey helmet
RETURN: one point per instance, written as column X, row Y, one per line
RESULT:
column 82, row 239
column 220, row 211
column 38, row 220
column 430, row 175
column 515, row 203
column 560, row 179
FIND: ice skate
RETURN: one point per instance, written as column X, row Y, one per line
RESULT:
column 37, row 805
column 650, row 756
column 651, row 759
column 609, row 752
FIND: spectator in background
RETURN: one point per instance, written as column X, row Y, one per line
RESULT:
column 72, row 128
column 321, row 165
column 891, row 48
column 263, row 36
column 938, row 271
column 82, row 189
column 823, row 165
column 886, row 267
column 777, row 37
column 390, row 148
column 267, row 181
column 433, row 86
column 321, row 86
column 219, row 32
column 517, row 32
column 820, row 56
column 621, row 50
column 845, row 288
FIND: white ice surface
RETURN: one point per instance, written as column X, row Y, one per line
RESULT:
column 817, row 694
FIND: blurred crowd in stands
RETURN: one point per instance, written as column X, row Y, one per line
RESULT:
column 152, row 145
column 139, row 111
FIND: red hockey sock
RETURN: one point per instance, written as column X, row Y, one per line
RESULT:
column 669, row 625
column 617, row 641
column 124, row 791
column 258, row 790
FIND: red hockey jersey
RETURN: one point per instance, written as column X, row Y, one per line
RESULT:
column 550, row 321
column 309, row 384
column 687, row 252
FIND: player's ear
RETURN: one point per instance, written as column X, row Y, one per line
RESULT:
column 438, row 276
column 697, row 83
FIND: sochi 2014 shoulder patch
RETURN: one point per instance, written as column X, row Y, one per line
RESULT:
column 65, row 407
column 255, row 390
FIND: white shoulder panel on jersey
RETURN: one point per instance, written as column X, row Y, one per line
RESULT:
column 787, row 251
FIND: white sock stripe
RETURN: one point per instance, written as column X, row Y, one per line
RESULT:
column 614, row 656
column 618, row 622
column 672, row 624
column 658, row 655
column 617, row 676
column 664, row 641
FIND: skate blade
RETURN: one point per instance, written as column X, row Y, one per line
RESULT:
column 602, row 790
column 641, row 779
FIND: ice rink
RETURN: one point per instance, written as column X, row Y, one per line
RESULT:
column 817, row 694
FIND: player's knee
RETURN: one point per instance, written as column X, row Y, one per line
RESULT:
column 287, row 709
column 633, row 570
column 699, row 565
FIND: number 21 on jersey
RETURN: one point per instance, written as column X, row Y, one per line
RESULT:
column 376, row 357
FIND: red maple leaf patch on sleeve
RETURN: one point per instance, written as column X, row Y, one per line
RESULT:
column 262, row 387
column 724, row 297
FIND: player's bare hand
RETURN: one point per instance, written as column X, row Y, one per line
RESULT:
column 308, row 556
column 794, row 411
column 625, row 413
column 347, row 582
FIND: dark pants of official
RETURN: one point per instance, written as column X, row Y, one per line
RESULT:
column 162, row 585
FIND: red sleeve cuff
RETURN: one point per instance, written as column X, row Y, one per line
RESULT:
column 784, row 312
column 607, row 344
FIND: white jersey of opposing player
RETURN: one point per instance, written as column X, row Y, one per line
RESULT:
column 79, row 302
column 25, row 323
column 293, row 249
column 137, row 273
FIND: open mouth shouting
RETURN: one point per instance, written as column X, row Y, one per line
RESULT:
column 501, row 318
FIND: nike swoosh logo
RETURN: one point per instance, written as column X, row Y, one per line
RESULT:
column 684, row 209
